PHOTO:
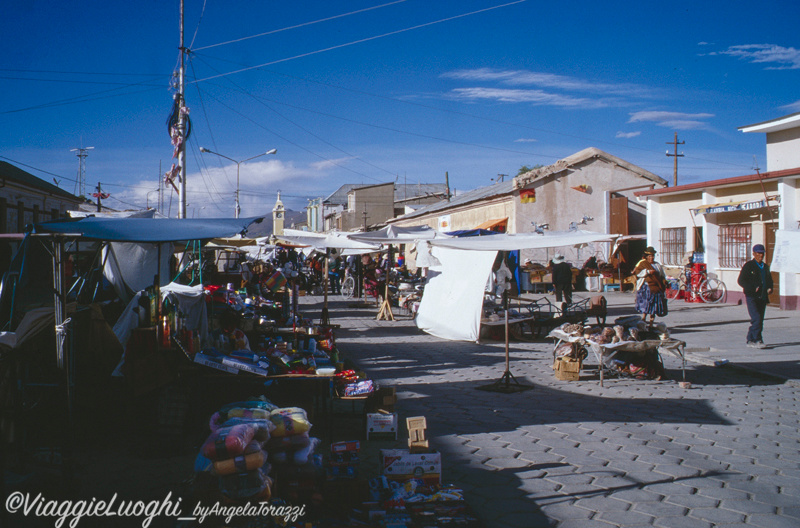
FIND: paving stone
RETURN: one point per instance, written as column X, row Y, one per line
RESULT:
column 625, row 518
column 716, row 515
column 563, row 510
column 660, row 509
column 495, row 452
column 507, row 463
column 635, row 495
column 771, row 521
column 692, row 501
column 602, row 503
column 682, row 522
column 747, row 507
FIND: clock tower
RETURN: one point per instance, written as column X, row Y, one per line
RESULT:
column 278, row 214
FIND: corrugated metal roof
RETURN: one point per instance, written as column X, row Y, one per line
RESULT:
column 498, row 189
column 15, row 174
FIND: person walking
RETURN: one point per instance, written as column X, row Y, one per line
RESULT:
column 756, row 282
column 562, row 280
column 650, row 287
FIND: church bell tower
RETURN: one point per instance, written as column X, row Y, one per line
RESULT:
column 278, row 214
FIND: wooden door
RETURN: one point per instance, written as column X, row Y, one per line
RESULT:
column 619, row 215
column 769, row 238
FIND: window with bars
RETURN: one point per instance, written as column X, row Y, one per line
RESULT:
column 734, row 245
column 673, row 245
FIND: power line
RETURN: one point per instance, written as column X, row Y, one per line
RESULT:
column 361, row 41
column 299, row 25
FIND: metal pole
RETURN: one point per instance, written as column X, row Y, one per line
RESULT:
column 182, row 127
column 238, row 208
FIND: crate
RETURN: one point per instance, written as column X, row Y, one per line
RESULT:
column 567, row 369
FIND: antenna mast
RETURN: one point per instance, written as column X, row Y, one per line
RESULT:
column 80, row 185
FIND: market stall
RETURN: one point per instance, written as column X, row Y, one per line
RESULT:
column 627, row 349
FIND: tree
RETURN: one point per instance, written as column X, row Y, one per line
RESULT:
column 526, row 168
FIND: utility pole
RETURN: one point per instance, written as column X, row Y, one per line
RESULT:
column 447, row 186
column 182, row 126
column 365, row 218
column 80, row 185
column 99, row 194
column 676, row 156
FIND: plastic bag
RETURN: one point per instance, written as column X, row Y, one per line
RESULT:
column 289, row 421
column 229, row 442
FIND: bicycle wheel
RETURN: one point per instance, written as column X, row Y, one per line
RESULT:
column 348, row 288
column 712, row 291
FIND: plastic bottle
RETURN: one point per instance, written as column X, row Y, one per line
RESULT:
column 165, row 332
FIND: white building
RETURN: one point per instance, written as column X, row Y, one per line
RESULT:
column 723, row 219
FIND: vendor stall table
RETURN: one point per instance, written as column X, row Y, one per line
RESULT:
column 604, row 353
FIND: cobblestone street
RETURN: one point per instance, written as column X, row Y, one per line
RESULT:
column 725, row 452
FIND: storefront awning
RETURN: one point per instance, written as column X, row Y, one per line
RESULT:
column 728, row 207
column 493, row 225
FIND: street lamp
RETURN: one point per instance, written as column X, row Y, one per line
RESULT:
column 271, row 151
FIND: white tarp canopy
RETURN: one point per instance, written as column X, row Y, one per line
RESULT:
column 397, row 235
column 507, row 242
column 453, row 300
column 786, row 257
column 324, row 241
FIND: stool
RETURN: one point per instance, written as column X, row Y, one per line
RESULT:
column 611, row 287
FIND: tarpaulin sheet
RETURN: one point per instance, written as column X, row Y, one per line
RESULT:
column 452, row 304
column 504, row 242
column 148, row 229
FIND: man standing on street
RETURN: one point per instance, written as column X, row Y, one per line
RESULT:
column 562, row 279
column 756, row 282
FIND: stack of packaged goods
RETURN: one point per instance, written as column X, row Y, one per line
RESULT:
column 293, row 451
column 349, row 383
column 234, row 451
column 344, row 459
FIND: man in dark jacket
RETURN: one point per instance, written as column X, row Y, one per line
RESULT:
column 562, row 279
column 756, row 282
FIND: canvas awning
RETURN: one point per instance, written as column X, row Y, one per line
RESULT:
column 396, row 235
column 727, row 207
column 147, row 229
column 505, row 242
column 497, row 223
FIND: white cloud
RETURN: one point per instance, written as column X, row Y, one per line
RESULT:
column 547, row 80
column 786, row 58
column 538, row 97
column 627, row 134
column 525, row 140
column 792, row 107
column 675, row 120
column 330, row 164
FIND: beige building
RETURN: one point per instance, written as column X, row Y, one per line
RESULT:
column 590, row 190
column 721, row 220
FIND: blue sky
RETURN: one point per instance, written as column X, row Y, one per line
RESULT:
column 372, row 91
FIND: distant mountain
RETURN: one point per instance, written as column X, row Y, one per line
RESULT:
column 265, row 228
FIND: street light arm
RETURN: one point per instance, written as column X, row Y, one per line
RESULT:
column 205, row 150
column 271, row 151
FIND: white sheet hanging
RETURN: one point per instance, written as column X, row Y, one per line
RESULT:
column 453, row 300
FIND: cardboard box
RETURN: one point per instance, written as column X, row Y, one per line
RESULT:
column 381, row 425
column 567, row 369
column 399, row 465
column 416, row 425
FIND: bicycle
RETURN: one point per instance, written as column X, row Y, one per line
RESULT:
column 348, row 286
column 709, row 288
